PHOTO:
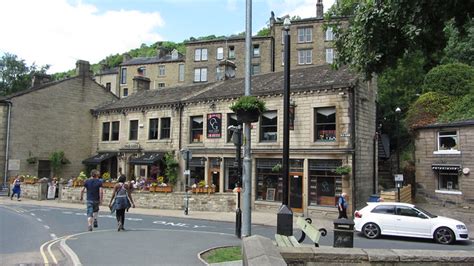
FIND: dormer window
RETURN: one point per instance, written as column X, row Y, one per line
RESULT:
column 141, row 71
column 174, row 55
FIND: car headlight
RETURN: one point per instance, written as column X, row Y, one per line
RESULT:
column 461, row 226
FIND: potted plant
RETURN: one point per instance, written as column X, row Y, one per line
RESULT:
column 277, row 168
column 80, row 179
column 248, row 108
column 31, row 160
column 343, row 170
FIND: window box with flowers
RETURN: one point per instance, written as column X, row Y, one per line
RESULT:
column 201, row 187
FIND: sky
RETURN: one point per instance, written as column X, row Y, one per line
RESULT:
column 60, row 32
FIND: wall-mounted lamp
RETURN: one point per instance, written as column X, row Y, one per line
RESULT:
column 203, row 160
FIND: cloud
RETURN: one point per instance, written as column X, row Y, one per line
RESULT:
column 58, row 33
column 301, row 8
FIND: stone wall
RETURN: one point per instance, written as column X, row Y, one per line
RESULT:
column 220, row 202
column 36, row 191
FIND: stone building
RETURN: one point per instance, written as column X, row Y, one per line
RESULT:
column 109, row 78
column 444, row 158
column 220, row 59
column 164, row 70
column 334, row 125
column 50, row 117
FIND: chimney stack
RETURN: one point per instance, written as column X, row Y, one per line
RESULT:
column 141, row 83
column 126, row 57
column 319, row 9
column 39, row 79
column 83, row 68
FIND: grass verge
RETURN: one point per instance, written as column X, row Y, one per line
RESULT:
column 222, row 254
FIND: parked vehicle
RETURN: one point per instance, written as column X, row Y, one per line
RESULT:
column 403, row 219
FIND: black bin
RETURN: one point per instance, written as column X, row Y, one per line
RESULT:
column 343, row 233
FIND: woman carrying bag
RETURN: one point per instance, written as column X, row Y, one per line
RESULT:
column 120, row 201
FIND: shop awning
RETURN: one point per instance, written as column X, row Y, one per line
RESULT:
column 98, row 158
column 451, row 167
column 148, row 158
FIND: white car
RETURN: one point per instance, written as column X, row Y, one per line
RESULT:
column 403, row 219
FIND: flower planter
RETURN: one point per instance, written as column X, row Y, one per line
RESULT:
column 207, row 190
column 78, row 183
column 108, row 185
column 165, row 189
column 248, row 116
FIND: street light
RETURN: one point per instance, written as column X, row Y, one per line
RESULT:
column 285, row 215
column 398, row 177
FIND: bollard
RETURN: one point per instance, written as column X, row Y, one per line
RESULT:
column 343, row 233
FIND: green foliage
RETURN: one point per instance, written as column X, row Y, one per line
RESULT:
column 343, row 170
column 63, row 75
column 171, row 169
column 223, row 254
column 248, row 103
column 58, row 160
column 265, row 31
column 277, row 168
column 459, row 48
column 452, row 79
column 426, row 109
column 381, row 32
column 16, row 75
column 461, row 109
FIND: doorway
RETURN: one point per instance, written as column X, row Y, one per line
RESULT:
column 296, row 191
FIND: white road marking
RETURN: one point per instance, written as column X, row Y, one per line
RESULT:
column 45, row 226
column 39, row 220
column 53, row 236
column 32, row 214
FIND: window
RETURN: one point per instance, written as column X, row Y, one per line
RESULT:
column 256, row 50
column 329, row 55
column 174, row 54
column 161, row 71
column 323, row 183
column 220, row 53
column 231, row 52
column 181, row 72
column 448, row 180
column 200, row 54
column 115, row 130
column 305, row 57
column 447, row 140
column 305, row 34
column 165, row 128
column 231, row 121
column 125, row 92
column 200, row 74
column 219, row 73
column 106, row 131
column 153, row 129
column 141, row 71
column 325, row 124
column 268, row 126
column 108, row 86
column 255, row 69
column 123, row 76
column 407, row 211
column 196, row 129
column 329, row 34
column 161, row 84
column 385, row 209
column 133, row 130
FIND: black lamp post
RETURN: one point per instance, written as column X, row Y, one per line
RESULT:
column 398, row 183
column 285, row 215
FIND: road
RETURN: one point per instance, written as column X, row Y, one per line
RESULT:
column 34, row 234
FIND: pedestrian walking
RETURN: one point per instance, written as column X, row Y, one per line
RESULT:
column 16, row 188
column 121, row 200
column 342, row 206
column 95, row 194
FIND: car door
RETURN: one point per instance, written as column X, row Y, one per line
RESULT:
column 384, row 216
column 411, row 222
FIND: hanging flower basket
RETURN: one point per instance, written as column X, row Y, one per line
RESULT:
column 248, row 109
column 248, row 116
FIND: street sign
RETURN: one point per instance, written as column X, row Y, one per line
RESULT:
column 187, row 154
column 399, row 178
column 187, row 172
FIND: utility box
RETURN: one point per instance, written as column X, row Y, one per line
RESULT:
column 343, row 233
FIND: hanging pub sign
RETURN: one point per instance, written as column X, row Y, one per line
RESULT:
column 214, row 126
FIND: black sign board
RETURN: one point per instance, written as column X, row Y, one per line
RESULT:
column 214, row 126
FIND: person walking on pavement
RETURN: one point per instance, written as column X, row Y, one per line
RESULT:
column 95, row 194
column 123, row 200
column 16, row 188
column 342, row 206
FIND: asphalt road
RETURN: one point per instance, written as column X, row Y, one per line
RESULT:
column 33, row 234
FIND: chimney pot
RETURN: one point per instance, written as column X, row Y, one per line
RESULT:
column 319, row 9
column 83, row 68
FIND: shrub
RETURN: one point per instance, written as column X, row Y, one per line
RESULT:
column 248, row 104
column 452, row 79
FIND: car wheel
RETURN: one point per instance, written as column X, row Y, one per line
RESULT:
column 444, row 235
column 371, row 230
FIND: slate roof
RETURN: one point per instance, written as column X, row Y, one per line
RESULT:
column 318, row 77
column 152, row 60
column 469, row 122
column 31, row 89
column 108, row 71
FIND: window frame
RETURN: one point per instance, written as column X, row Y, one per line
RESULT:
column 256, row 50
column 324, row 124
column 263, row 127
column 123, row 75
column 442, row 174
column 231, row 121
column 254, row 67
column 165, row 132
column 231, row 52
column 303, row 57
column 161, row 70
column 125, row 92
column 198, row 130
column 200, row 54
column 200, row 69
column 105, row 135
column 115, row 131
column 329, row 34
column 305, row 35
column 330, row 51
column 220, row 53
column 133, row 129
column 454, row 136
column 153, row 128
column 181, row 72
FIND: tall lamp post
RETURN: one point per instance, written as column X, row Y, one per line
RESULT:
column 398, row 177
column 285, row 215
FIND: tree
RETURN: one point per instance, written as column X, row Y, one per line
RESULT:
column 452, row 79
column 58, row 160
column 462, row 109
column 459, row 48
column 381, row 32
column 427, row 109
column 265, row 31
column 15, row 74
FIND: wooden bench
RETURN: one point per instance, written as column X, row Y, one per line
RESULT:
column 307, row 230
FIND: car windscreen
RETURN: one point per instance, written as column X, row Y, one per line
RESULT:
column 426, row 212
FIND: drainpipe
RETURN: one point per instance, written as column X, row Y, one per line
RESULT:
column 180, row 110
column 374, row 162
column 7, row 143
column 353, row 129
